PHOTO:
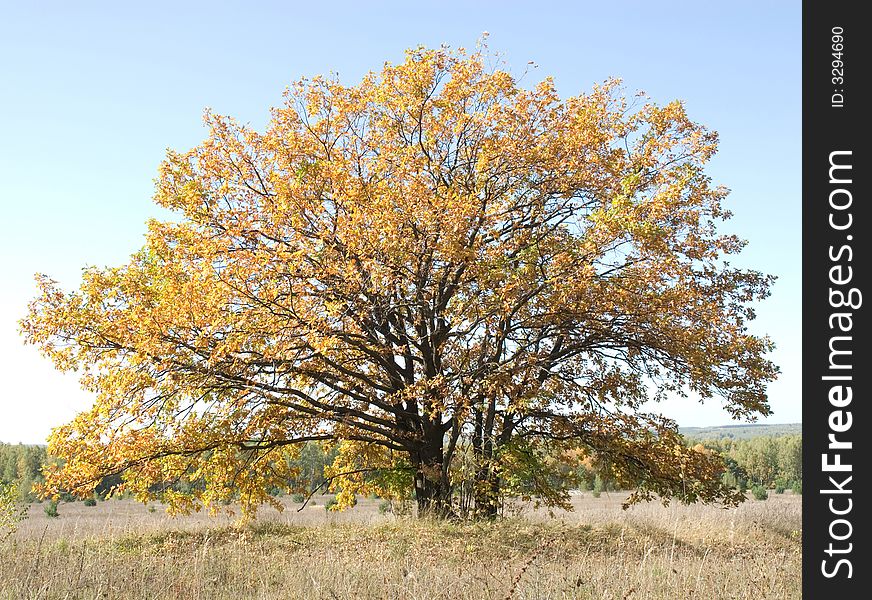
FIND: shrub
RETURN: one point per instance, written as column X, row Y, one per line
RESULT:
column 598, row 486
column 51, row 509
column 759, row 492
column 401, row 508
column 298, row 498
column 780, row 484
column 797, row 487
column 90, row 502
column 330, row 502
column 384, row 507
column 12, row 512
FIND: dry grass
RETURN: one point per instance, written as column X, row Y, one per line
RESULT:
column 121, row 550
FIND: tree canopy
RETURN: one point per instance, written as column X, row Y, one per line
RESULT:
column 433, row 262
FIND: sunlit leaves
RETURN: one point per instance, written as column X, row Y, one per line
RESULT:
column 12, row 510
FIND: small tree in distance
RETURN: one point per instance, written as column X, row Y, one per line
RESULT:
column 433, row 259
column 12, row 510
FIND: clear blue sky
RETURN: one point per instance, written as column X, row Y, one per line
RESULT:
column 91, row 95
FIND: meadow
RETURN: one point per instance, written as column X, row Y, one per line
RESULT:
column 122, row 549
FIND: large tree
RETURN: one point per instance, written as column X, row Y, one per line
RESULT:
column 433, row 259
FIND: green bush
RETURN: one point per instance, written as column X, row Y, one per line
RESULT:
column 598, row 485
column 779, row 489
column 90, row 502
column 384, row 507
column 330, row 502
column 51, row 509
column 298, row 498
column 759, row 492
column 797, row 487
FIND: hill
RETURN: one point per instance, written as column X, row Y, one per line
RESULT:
column 741, row 432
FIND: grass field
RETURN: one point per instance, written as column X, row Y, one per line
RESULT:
column 120, row 549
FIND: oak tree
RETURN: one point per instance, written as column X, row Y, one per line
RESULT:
column 433, row 261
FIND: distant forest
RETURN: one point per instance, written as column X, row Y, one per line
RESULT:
column 741, row 432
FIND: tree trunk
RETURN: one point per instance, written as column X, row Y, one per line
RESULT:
column 432, row 494
column 432, row 488
column 486, row 488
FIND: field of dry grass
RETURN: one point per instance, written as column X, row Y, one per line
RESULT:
column 120, row 549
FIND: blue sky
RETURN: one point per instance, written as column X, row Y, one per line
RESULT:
column 92, row 94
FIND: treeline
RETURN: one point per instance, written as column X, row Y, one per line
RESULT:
column 768, row 462
column 21, row 464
